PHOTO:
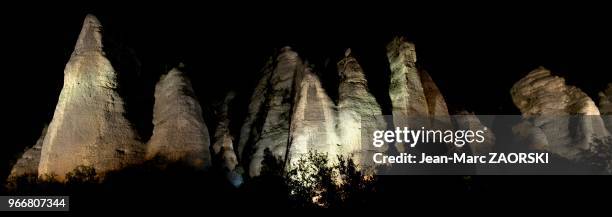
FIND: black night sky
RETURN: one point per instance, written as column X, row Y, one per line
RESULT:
column 474, row 52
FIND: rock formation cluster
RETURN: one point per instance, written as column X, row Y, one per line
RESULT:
column 89, row 127
column 559, row 118
column 289, row 115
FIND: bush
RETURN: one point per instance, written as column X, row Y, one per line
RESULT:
column 82, row 175
column 312, row 181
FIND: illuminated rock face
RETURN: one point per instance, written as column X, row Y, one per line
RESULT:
column 267, row 125
column 223, row 147
column 359, row 113
column 290, row 114
column 436, row 104
column 89, row 126
column 415, row 98
column 468, row 121
column 405, row 89
column 179, row 134
column 313, row 124
column 605, row 106
column 28, row 163
column 558, row 117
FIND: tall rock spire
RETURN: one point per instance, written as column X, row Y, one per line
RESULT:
column 268, row 121
column 313, row 125
column 179, row 133
column 436, row 104
column 359, row 113
column 223, row 147
column 290, row 115
column 406, row 90
column 90, row 38
column 415, row 98
column 89, row 127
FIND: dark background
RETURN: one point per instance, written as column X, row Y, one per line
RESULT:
column 473, row 51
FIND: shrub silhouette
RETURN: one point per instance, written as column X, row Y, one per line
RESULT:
column 313, row 182
column 81, row 175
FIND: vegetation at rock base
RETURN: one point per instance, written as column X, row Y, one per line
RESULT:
column 312, row 182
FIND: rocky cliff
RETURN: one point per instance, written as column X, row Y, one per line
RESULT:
column 359, row 112
column 267, row 125
column 469, row 121
column 415, row 98
column 179, row 133
column 405, row 88
column 223, row 148
column 89, row 126
column 605, row 106
column 28, row 163
column 290, row 114
column 313, row 121
column 559, row 118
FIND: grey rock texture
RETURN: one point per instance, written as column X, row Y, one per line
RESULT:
column 405, row 88
column 223, row 147
column 179, row 133
column 468, row 121
column 557, row 117
column 358, row 112
column 313, row 124
column 290, row 114
column 89, row 127
column 267, row 125
column 415, row 98
column 436, row 104
column 605, row 106
column 28, row 163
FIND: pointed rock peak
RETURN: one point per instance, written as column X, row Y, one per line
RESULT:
column 285, row 49
column 400, row 46
column 435, row 100
column 180, row 133
column 176, row 71
column 541, row 71
column 349, row 69
column 536, row 80
column 90, row 38
column 347, row 53
column 287, row 53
